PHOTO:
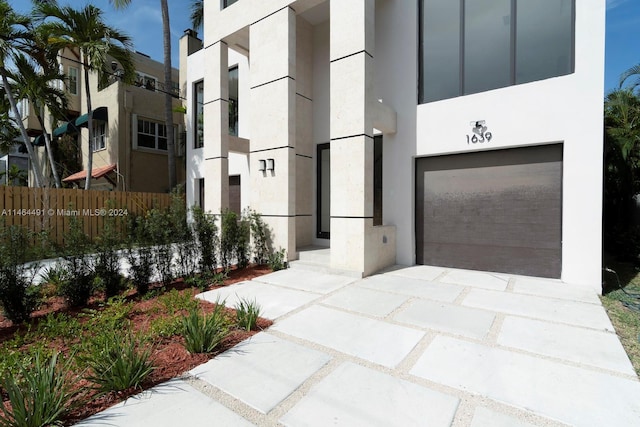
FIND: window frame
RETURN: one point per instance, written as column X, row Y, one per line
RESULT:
column 461, row 51
column 236, row 103
column 99, row 135
column 157, row 135
column 73, row 87
column 198, row 140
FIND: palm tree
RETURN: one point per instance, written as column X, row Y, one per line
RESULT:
column 168, row 98
column 197, row 13
column 631, row 73
column 84, row 29
column 39, row 88
column 15, row 37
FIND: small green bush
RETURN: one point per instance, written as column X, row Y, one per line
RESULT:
column 228, row 237
column 242, row 246
column 117, row 362
column 140, row 256
column 277, row 260
column 159, row 229
column 247, row 313
column 39, row 395
column 203, row 333
column 261, row 236
column 18, row 297
column 78, row 265
column 175, row 301
column 206, row 233
column 107, row 264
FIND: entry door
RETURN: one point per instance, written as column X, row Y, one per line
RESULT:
column 323, row 192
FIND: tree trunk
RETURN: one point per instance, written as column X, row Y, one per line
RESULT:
column 37, row 173
column 168, row 99
column 47, row 143
column 87, row 182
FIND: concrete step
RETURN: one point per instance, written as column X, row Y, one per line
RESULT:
column 322, row 268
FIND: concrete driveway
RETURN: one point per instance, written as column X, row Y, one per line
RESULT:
column 415, row 346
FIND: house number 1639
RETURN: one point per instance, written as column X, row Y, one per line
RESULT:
column 480, row 133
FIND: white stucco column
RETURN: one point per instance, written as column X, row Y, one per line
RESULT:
column 355, row 243
column 216, row 128
column 273, row 125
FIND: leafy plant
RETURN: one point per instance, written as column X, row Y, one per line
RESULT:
column 247, row 313
column 203, row 333
column 175, row 301
column 261, row 235
column 159, row 228
column 206, row 233
column 107, row 266
column 18, row 297
column 277, row 260
column 38, row 396
column 183, row 236
column 140, row 256
column 117, row 362
column 228, row 237
column 80, row 285
column 113, row 317
column 243, row 247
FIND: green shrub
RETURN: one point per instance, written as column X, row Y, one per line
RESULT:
column 77, row 262
column 243, row 247
column 247, row 313
column 159, row 228
column 228, row 237
column 277, row 260
column 18, row 297
column 107, row 264
column 203, row 333
column 261, row 236
column 140, row 256
column 39, row 395
column 117, row 362
column 113, row 317
column 175, row 301
column 206, row 233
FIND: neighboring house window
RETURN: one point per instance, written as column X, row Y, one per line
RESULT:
column 198, row 117
column 152, row 135
column 24, row 108
column 227, row 3
column 233, row 101
column 99, row 135
column 471, row 46
column 146, row 81
column 73, row 80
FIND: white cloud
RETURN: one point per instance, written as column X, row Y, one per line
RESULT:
column 612, row 4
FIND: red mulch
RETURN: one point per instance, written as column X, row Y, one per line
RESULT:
column 169, row 355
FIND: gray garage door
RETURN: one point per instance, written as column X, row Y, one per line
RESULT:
column 494, row 210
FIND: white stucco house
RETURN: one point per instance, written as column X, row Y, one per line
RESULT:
column 456, row 133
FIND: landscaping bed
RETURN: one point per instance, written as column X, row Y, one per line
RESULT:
column 155, row 321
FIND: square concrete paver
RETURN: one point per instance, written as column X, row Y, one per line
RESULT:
column 566, row 393
column 274, row 300
column 555, row 289
column 596, row 348
column 312, row 281
column 421, row 272
column 484, row 417
column 355, row 396
column 174, row 403
column 373, row 340
column 366, row 301
column 413, row 287
column 465, row 321
column 555, row 310
column 262, row 371
column 477, row 279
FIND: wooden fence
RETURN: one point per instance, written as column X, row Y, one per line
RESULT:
column 51, row 209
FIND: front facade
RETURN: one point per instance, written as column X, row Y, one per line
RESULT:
column 129, row 133
column 455, row 133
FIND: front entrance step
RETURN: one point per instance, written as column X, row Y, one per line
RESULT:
column 323, row 268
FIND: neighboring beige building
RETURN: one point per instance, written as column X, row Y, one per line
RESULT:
column 129, row 142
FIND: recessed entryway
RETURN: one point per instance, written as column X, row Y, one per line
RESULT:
column 493, row 210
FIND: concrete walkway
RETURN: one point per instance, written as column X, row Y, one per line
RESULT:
column 415, row 346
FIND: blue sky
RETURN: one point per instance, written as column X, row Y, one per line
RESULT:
column 143, row 22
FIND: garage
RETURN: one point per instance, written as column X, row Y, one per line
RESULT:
column 495, row 211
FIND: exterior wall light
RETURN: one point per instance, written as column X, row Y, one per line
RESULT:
column 270, row 164
column 262, row 165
